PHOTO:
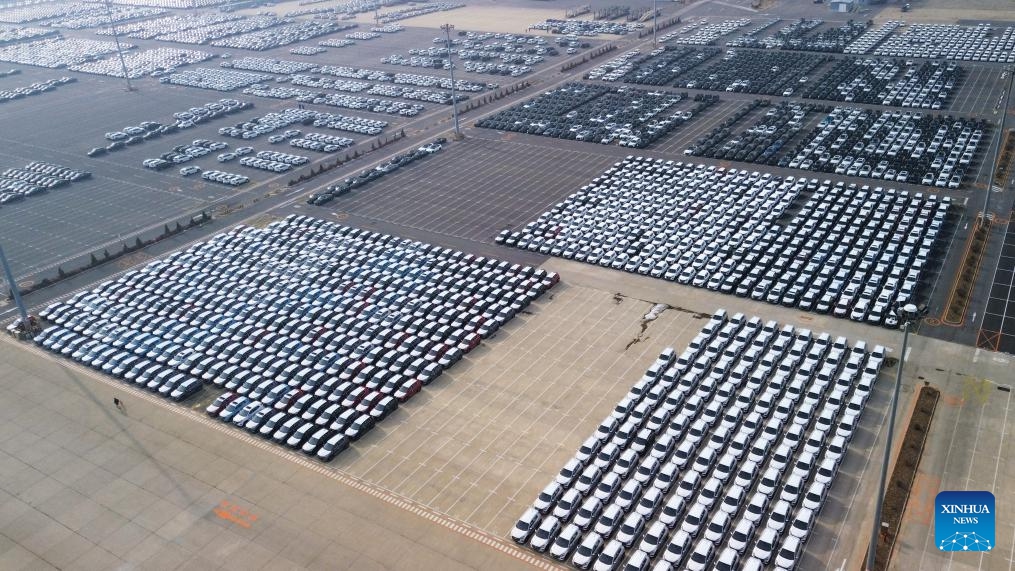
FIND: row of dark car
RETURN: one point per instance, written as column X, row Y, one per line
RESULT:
column 600, row 114
column 763, row 141
column 36, row 178
column 333, row 191
column 752, row 71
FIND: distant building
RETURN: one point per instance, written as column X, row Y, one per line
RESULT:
column 841, row 5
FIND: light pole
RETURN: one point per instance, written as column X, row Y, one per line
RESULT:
column 119, row 50
column 451, row 67
column 11, row 283
column 908, row 314
column 655, row 17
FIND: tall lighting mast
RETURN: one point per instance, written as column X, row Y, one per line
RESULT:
column 451, row 66
column 119, row 49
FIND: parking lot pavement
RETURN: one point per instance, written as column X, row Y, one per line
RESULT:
column 967, row 449
column 979, row 89
column 677, row 141
column 997, row 329
column 473, row 189
column 967, row 461
column 504, row 420
column 66, row 223
column 86, row 487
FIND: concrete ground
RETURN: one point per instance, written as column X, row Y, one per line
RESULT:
column 968, row 453
column 83, row 486
column 469, row 454
column 483, row 441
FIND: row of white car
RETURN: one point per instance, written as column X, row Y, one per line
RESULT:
column 268, row 123
column 307, row 50
column 719, row 458
column 288, row 32
column 706, row 33
column 58, row 52
column 216, row 79
column 928, row 85
column 12, row 93
column 983, row 42
column 104, row 16
column 904, row 146
column 155, row 27
column 154, row 62
column 265, row 164
column 312, row 330
column 267, row 65
column 847, row 247
column 230, row 179
column 205, row 34
column 336, row 43
column 328, row 83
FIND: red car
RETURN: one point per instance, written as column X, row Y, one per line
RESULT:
column 220, row 403
column 408, row 388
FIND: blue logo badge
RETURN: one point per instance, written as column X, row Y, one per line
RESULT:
column 964, row 521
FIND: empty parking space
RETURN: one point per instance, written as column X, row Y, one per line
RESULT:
column 474, row 189
column 85, row 486
column 66, row 223
column 998, row 328
column 979, row 89
column 967, row 449
column 503, row 422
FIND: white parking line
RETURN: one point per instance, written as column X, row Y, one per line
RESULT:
column 997, row 467
column 882, row 426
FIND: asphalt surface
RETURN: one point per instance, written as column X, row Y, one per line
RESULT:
column 998, row 326
column 473, row 189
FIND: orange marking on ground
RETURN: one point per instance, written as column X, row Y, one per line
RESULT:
column 231, row 512
column 952, row 400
